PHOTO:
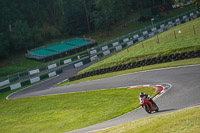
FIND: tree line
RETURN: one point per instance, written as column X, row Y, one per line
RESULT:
column 26, row 24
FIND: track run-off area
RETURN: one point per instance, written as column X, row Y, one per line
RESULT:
column 183, row 92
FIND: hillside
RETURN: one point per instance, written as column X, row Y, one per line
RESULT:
column 170, row 42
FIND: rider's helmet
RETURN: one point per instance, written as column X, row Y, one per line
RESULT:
column 141, row 94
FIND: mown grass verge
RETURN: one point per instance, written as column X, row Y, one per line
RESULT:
column 150, row 67
column 61, row 113
column 169, row 42
column 184, row 121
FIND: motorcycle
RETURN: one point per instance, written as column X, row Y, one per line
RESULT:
column 149, row 106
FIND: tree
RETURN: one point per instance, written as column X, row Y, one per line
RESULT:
column 75, row 22
column 21, row 36
column 8, row 14
column 197, row 3
column 4, row 46
column 107, row 13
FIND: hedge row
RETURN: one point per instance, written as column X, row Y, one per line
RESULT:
column 145, row 62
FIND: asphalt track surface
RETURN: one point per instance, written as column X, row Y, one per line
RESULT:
column 184, row 92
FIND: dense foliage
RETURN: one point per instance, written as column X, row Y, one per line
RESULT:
column 25, row 24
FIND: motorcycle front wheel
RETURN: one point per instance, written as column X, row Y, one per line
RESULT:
column 157, row 109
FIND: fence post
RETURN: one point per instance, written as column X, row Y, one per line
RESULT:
column 174, row 34
column 127, row 48
column 157, row 39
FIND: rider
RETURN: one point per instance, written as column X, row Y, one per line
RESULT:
column 146, row 97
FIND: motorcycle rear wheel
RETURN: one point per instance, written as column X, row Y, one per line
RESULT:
column 147, row 109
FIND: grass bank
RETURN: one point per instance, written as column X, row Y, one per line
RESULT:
column 168, row 42
column 150, row 67
column 61, row 113
column 184, row 121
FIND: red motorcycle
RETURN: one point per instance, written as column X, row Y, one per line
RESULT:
column 149, row 106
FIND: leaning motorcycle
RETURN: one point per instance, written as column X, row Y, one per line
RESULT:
column 148, row 106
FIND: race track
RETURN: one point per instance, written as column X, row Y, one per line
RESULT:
column 184, row 92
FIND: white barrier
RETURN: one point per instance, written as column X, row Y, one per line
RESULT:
column 145, row 32
column 184, row 17
column 162, row 26
column 93, row 58
column 135, row 36
column 130, row 43
column 177, row 20
column 52, row 66
column 170, row 26
column 126, row 40
column 106, row 52
column 52, row 74
column 151, row 34
column 67, row 61
column 118, row 48
column 78, row 64
column 4, row 83
column 105, row 47
column 93, row 51
column 153, row 29
column 170, row 22
column 115, row 44
column 34, row 71
column 36, row 79
column 15, row 86
column 141, row 39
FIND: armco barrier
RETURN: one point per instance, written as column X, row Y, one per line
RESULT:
column 30, row 81
column 145, row 62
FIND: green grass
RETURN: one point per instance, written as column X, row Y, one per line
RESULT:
column 65, row 112
column 150, row 67
column 186, row 41
column 184, row 121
